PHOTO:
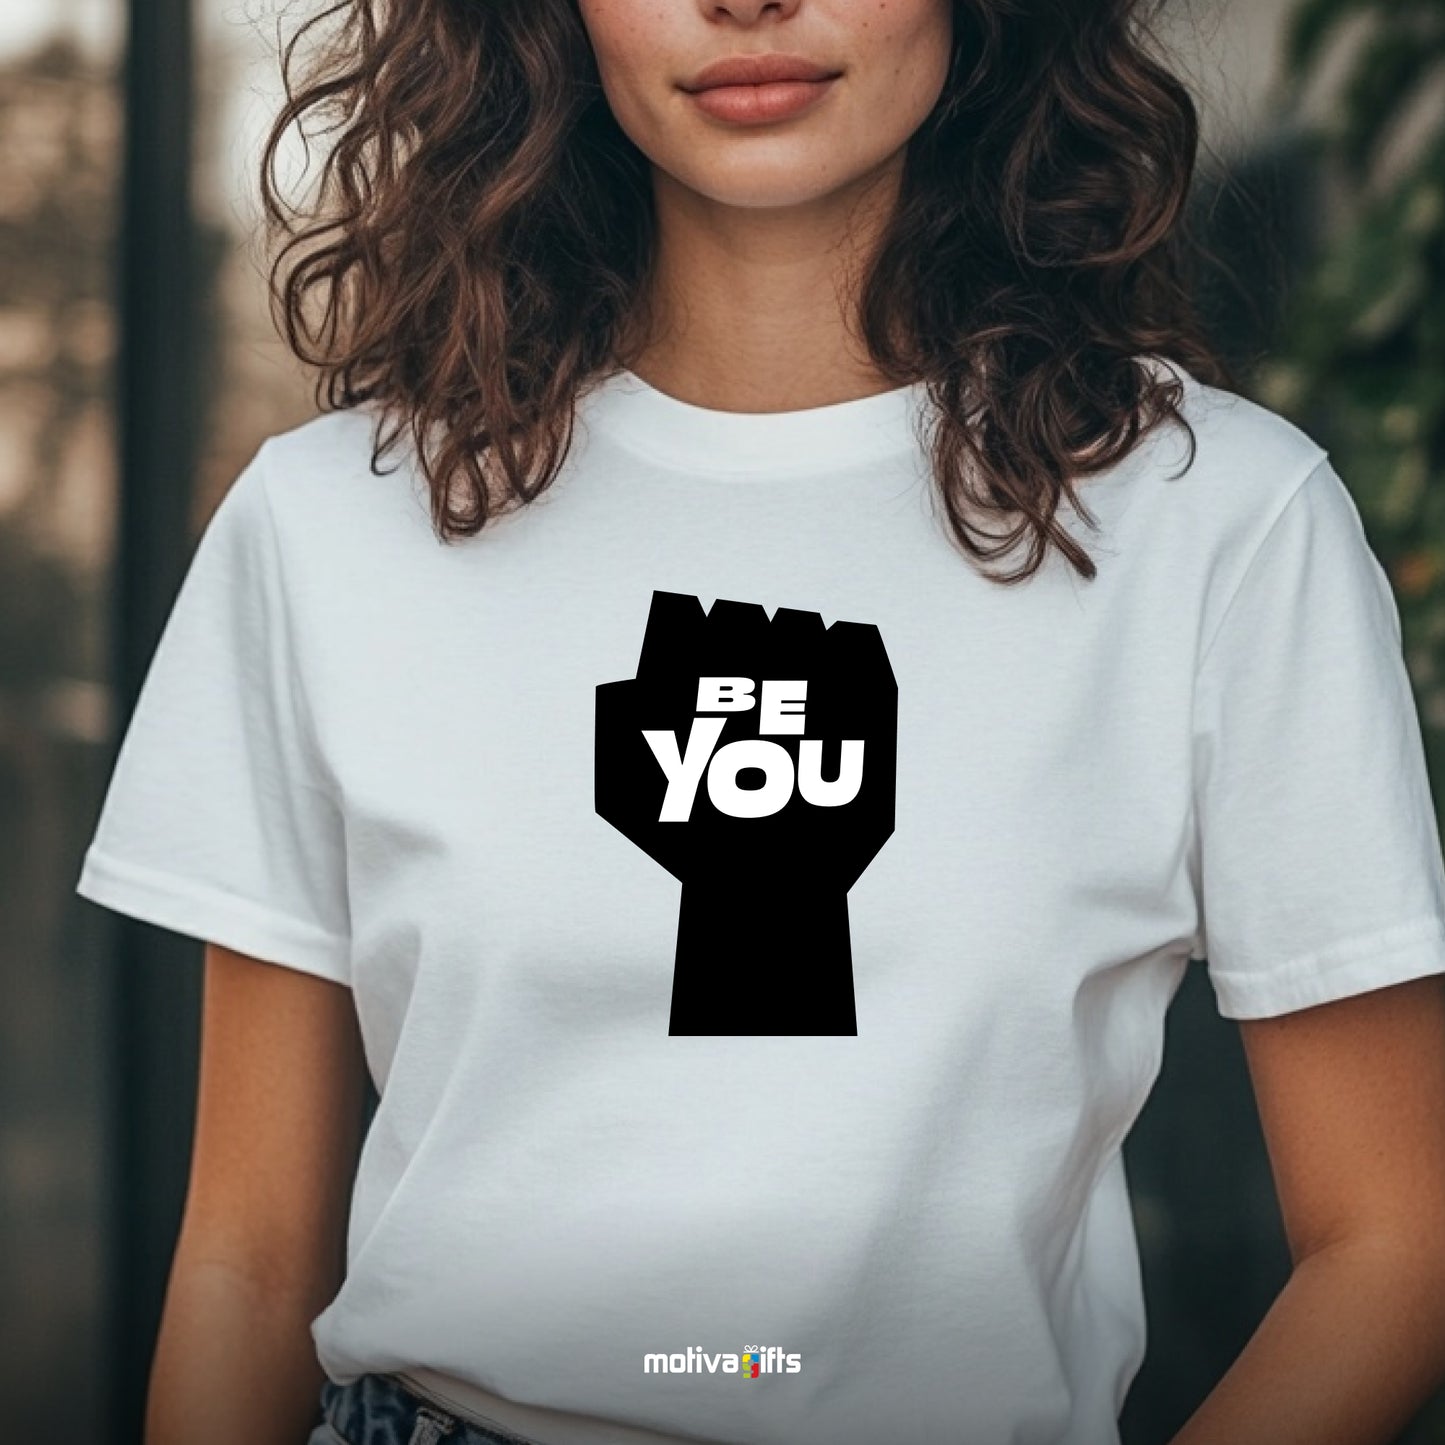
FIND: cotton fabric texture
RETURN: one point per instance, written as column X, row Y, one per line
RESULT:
column 614, row 817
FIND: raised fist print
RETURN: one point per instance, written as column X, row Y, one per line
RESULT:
column 755, row 760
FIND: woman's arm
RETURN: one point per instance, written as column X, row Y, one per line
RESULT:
column 1351, row 1096
column 262, row 1242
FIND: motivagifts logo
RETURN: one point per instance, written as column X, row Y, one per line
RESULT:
column 751, row 1363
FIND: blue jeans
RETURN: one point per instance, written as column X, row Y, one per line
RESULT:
column 379, row 1410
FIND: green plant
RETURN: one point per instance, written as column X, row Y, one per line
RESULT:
column 1362, row 359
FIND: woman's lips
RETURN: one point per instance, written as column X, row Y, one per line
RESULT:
column 754, row 104
column 769, row 85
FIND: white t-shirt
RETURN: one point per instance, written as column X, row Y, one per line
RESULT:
column 761, row 924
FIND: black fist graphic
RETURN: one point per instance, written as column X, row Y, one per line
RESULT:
column 755, row 760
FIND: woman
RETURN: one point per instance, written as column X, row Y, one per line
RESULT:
column 740, row 714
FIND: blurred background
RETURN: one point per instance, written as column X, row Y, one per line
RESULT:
column 138, row 372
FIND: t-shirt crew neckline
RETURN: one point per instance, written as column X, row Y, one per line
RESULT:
column 751, row 444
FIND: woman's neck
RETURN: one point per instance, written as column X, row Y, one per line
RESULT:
column 749, row 307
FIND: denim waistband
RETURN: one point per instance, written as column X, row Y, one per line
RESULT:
column 377, row 1409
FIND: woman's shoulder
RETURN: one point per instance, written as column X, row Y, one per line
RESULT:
column 331, row 448
column 324, row 474
column 1237, row 464
column 1238, row 439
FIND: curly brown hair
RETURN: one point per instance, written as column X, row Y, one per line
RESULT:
column 476, row 249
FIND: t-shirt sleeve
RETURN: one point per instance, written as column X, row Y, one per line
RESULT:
column 1320, row 871
column 219, row 820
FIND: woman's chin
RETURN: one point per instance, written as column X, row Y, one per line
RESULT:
column 754, row 175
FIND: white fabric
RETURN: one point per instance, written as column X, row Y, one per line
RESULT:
column 368, row 755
